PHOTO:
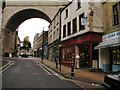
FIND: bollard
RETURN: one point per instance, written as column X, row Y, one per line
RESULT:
column 56, row 64
column 72, row 66
column 72, row 69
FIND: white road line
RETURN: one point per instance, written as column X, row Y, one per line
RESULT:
column 59, row 76
column 5, row 69
column 45, row 70
column 48, row 70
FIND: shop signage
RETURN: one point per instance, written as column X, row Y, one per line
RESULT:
column 110, row 37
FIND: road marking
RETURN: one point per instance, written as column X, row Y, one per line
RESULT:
column 46, row 70
column 59, row 76
column 7, row 66
column 5, row 69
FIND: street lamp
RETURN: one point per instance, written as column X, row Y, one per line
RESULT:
column 56, row 56
column 42, row 45
column 59, row 56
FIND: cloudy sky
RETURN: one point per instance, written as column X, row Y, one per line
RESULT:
column 32, row 26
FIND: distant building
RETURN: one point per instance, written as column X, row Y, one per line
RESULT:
column 35, row 44
column 109, row 48
column 41, row 42
column 81, row 30
column 54, row 37
column 17, row 46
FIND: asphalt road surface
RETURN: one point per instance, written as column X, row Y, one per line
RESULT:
column 26, row 74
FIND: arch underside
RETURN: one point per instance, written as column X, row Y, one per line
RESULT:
column 21, row 16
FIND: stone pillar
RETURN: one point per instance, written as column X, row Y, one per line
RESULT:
column 0, row 42
column 100, row 59
column 0, row 30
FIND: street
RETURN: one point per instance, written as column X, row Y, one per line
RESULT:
column 26, row 74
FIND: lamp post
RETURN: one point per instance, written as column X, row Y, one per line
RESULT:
column 72, row 66
column 56, row 56
column 59, row 57
column 42, row 45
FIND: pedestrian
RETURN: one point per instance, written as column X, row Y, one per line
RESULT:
column 56, row 62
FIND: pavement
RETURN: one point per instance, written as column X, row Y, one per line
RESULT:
column 83, row 77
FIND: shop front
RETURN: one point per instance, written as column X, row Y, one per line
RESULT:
column 53, row 50
column 67, row 55
column 109, row 52
column 83, row 49
column 84, row 53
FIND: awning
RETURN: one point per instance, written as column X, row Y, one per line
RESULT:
column 106, row 45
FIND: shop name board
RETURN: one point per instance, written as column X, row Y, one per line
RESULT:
column 111, row 36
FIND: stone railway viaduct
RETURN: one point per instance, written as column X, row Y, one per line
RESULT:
column 16, row 12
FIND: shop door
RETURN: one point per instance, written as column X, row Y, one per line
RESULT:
column 84, row 56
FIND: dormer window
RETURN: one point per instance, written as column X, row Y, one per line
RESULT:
column 78, row 4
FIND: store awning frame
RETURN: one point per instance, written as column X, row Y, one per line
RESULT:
column 105, row 45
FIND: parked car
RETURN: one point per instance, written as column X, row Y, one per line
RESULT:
column 112, row 81
column 24, row 55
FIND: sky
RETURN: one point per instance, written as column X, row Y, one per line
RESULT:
column 30, row 27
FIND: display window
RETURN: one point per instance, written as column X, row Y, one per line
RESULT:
column 116, row 55
column 67, row 54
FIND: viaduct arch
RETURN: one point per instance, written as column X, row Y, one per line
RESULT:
column 16, row 13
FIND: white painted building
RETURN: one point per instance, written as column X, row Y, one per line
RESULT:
column 54, row 28
column 85, row 8
column 81, row 28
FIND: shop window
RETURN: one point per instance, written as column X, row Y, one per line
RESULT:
column 67, row 54
column 64, row 31
column 116, row 14
column 116, row 55
column 74, row 25
column 81, row 22
column 69, row 28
